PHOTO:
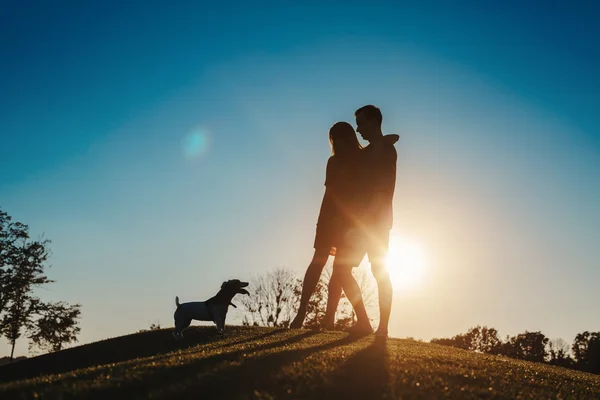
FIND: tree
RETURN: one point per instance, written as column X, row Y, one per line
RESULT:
column 18, row 316
column 529, row 346
column 275, row 295
column 507, row 349
column 11, row 234
column 22, row 264
column 460, row 341
column 586, row 350
column 558, row 353
column 273, row 299
column 55, row 326
column 532, row 346
column 483, row 340
column 480, row 339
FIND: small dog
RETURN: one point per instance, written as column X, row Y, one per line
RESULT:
column 213, row 309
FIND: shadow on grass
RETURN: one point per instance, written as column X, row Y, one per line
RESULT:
column 120, row 349
column 222, row 356
column 254, row 338
column 364, row 376
column 161, row 377
column 211, row 378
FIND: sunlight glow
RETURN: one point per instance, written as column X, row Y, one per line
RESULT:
column 195, row 144
column 406, row 263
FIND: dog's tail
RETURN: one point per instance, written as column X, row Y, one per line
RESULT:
column 177, row 301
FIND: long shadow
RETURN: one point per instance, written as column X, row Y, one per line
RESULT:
column 107, row 351
column 164, row 376
column 247, row 379
column 199, row 379
column 254, row 338
column 364, row 376
column 129, row 347
column 225, row 356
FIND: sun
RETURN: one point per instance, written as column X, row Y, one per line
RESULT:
column 406, row 263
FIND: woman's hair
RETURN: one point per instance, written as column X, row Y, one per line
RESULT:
column 343, row 139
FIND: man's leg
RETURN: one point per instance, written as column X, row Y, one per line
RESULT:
column 311, row 278
column 377, row 256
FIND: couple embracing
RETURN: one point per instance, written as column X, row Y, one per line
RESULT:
column 355, row 219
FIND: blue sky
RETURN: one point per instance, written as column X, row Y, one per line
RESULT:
column 498, row 161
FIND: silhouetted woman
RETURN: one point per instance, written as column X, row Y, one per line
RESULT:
column 337, row 211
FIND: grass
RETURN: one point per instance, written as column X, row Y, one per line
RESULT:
column 267, row 363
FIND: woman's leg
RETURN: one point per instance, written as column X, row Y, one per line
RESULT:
column 311, row 279
column 334, row 294
column 345, row 260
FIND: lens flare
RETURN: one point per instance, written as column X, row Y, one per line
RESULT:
column 195, row 144
column 406, row 263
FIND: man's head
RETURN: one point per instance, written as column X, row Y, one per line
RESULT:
column 368, row 122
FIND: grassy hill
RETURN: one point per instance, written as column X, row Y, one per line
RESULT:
column 266, row 363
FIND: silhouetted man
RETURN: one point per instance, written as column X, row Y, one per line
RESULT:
column 377, row 182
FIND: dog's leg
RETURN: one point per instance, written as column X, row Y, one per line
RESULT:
column 180, row 325
column 220, row 321
column 176, row 335
column 185, row 325
column 176, row 332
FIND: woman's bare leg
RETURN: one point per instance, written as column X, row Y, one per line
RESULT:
column 311, row 279
column 345, row 260
column 334, row 294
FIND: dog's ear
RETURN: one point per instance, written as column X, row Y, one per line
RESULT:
column 224, row 284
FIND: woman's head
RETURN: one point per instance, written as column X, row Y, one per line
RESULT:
column 343, row 139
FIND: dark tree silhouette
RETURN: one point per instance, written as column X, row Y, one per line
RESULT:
column 22, row 269
column 558, row 353
column 479, row 339
column 55, row 327
column 532, row 346
column 529, row 346
column 273, row 299
column 275, row 296
column 460, row 341
column 586, row 350
column 484, row 340
column 22, row 265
